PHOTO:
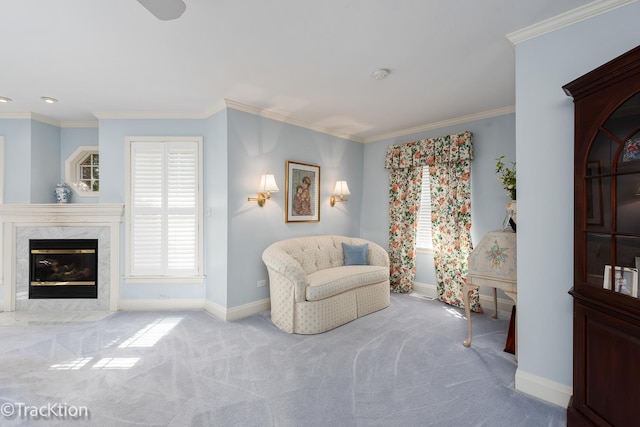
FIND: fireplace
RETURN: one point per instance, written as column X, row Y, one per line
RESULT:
column 63, row 268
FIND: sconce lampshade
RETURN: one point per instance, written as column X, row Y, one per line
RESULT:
column 268, row 183
column 342, row 189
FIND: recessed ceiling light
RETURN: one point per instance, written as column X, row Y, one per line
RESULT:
column 380, row 74
column 5, row 99
column 48, row 99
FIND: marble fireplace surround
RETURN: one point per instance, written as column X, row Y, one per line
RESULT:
column 59, row 221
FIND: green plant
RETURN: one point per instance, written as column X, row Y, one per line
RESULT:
column 507, row 177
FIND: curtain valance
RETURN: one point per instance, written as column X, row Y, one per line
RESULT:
column 448, row 149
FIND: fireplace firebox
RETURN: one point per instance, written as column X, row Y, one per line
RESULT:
column 63, row 268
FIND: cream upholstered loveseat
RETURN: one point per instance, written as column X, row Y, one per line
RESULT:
column 312, row 290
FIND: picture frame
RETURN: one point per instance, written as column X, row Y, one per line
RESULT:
column 593, row 192
column 629, row 283
column 631, row 150
column 302, row 192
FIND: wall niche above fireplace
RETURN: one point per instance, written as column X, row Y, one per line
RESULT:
column 63, row 268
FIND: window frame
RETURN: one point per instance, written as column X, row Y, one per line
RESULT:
column 422, row 214
column 72, row 169
column 198, row 277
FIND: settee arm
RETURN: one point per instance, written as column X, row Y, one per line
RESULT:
column 289, row 269
column 377, row 255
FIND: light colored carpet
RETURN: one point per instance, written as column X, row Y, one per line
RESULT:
column 402, row 366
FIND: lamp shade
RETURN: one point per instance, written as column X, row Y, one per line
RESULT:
column 268, row 183
column 342, row 189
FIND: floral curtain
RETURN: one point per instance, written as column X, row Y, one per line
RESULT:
column 449, row 160
column 405, row 184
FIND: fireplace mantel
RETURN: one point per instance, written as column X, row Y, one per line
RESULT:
column 67, row 216
column 62, row 213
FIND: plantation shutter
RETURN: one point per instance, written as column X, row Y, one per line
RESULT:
column 423, row 235
column 164, row 208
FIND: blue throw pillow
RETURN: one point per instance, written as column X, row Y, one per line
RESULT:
column 355, row 254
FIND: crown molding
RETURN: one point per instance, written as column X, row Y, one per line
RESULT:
column 289, row 120
column 30, row 116
column 444, row 123
column 80, row 124
column 149, row 115
column 227, row 103
column 50, row 121
column 45, row 119
column 565, row 19
column 15, row 115
column 222, row 105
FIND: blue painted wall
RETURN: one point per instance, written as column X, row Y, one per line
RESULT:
column 257, row 145
column 216, row 214
column 17, row 155
column 45, row 155
column 544, row 135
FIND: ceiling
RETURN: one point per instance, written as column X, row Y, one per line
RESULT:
column 307, row 60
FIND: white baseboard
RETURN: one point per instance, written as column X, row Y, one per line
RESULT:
column 486, row 301
column 239, row 312
column 542, row 388
column 163, row 304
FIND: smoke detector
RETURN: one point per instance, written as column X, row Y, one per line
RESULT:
column 380, row 74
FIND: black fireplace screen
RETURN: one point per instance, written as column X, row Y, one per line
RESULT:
column 63, row 268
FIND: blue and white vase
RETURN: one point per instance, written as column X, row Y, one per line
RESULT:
column 63, row 192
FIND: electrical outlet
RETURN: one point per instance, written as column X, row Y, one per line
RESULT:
column 262, row 283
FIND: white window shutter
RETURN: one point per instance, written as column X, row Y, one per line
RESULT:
column 423, row 234
column 164, row 208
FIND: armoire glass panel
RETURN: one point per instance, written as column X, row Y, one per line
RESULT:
column 598, row 255
column 628, row 252
column 628, row 198
column 598, row 204
column 625, row 118
column 629, row 158
column 601, row 156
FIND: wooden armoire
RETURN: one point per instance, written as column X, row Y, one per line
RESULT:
column 606, row 341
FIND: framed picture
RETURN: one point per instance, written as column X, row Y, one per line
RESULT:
column 631, row 150
column 594, row 194
column 302, row 190
column 625, row 280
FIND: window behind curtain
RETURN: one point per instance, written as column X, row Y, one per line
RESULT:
column 164, row 208
column 423, row 235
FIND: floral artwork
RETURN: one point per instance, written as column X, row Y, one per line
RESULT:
column 631, row 150
column 496, row 255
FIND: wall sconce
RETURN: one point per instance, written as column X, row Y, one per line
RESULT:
column 341, row 190
column 267, row 185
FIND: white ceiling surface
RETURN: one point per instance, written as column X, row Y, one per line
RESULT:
column 310, row 60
